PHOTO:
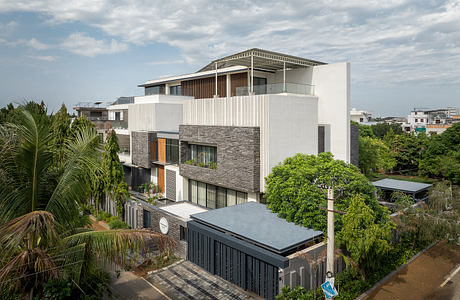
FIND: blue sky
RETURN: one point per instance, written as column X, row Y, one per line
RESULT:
column 403, row 53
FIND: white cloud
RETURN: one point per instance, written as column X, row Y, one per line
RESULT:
column 81, row 44
column 48, row 58
column 386, row 41
column 36, row 44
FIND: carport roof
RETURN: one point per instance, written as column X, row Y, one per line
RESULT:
column 401, row 185
column 255, row 223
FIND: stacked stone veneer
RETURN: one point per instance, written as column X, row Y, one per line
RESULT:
column 174, row 223
column 141, row 148
column 354, row 147
column 238, row 155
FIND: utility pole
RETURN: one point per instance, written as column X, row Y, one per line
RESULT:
column 330, row 231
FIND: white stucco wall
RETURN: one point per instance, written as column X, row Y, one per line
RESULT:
column 154, row 117
column 332, row 87
column 288, row 123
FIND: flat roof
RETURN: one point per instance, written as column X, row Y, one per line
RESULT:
column 401, row 185
column 183, row 209
column 255, row 223
column 264, row 59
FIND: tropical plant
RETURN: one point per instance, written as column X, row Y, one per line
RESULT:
column 40, row 218
column 292, row 189
column 365, row 238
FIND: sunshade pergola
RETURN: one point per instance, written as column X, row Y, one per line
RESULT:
column 261, row 59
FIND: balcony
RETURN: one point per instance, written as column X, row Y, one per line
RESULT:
column 278, row 88
column 118, row 124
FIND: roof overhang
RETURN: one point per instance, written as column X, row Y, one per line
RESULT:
column 261, row 59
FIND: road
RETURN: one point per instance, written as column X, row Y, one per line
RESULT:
column 421, row 279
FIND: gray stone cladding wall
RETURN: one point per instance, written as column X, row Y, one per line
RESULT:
column 141, row 148
column 174, row 223
column 354, row 145
column 171, row 184
column 238, row 155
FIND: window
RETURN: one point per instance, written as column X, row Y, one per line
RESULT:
column 146, row 217
column 416, row 120
column 203, row 155
column 183, row 233
column 260, row 85
column 155, row 90
column 95, row 114
column 212, row 196
column 175, row 90
column 361, row 120
column 415, row 113
column 117, row 116
column 172, row 151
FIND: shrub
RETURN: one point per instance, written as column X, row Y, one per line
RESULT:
column 116, row 223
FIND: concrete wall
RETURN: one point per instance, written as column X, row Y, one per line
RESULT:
column 302, row 271
column 332, row 87
column 174, row 223
column 288, row 123
column 238, row 155
column 156, row 113
column 178, row 182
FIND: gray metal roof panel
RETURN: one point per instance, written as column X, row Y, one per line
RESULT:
column 401, row 185
column 254, row 222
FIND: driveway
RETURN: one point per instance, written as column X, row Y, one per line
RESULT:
column 422, row 278
column 185, row 280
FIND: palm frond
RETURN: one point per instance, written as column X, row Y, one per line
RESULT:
column 83, row 159
column 117, row 245
column 28, row 232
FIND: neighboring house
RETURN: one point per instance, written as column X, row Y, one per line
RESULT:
column 430, row 120
column 360, row 116
column 96, row 112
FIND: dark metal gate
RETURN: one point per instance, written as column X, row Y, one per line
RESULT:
column 251, row 267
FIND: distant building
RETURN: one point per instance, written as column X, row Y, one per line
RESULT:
column 360, row 116
column 430, row 120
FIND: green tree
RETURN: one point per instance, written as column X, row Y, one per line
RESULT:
column 364, row 130
column 292, row 189
column 366, row 238
column 374, row 155
column 60, row 129
column 381, row 129
column 40, row 222
column 115, row 185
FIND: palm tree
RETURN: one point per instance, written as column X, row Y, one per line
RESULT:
column 42, row 236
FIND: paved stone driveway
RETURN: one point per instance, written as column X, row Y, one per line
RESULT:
column 185, row 280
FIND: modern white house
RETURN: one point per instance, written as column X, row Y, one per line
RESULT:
column 248, row 112
column 360, row 116
column 211, row 137
column 430, row 120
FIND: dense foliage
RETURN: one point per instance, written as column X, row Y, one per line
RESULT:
column 292, row 189
column 45, row 179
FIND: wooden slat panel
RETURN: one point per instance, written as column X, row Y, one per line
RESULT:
column 162, row 150
column 237, row 80
column 161, row 178
column 205, row 87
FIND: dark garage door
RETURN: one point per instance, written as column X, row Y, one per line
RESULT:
column 248, row 266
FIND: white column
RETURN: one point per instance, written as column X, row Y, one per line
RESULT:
column 216, row 82
column 284, row 77
column 229, row 87
column 252, row 75
column 330, row 231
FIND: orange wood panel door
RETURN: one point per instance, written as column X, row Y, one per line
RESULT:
column 161, row 179
column 162, row 150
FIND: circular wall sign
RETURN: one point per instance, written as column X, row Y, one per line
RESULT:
column 164, row 226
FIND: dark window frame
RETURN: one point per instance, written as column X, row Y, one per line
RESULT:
column 215, row 204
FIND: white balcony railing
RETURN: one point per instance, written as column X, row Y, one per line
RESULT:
column 278, row 88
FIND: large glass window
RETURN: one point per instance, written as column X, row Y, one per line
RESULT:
column 175, row 90
column 260, row 85
column 212, row 196
column 155, row 90
column 172, row 151
column 202, row 193
column 203, row 155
